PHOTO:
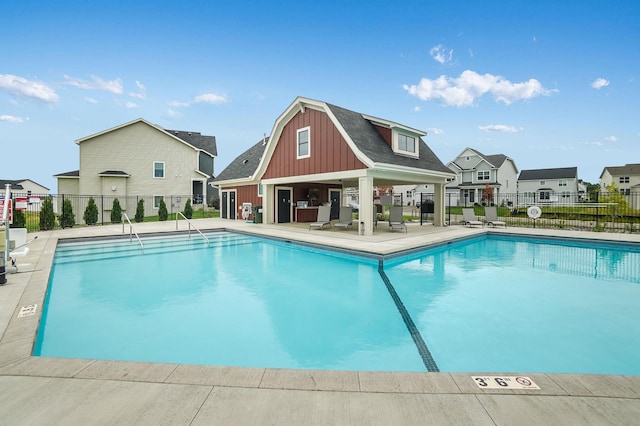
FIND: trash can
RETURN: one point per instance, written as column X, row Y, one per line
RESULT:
column 257, row 214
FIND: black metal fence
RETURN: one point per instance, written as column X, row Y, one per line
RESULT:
column 611, row 212
column 104, row 204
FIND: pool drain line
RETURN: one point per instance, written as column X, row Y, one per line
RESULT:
column 425, row 354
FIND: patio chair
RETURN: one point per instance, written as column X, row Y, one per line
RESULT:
column 396, row 221
column 469, row 218
column 491, row 217
column 345, row 219
column 324, row 218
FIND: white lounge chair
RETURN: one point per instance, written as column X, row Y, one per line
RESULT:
column 324, row 218
column 346, row 218
column 396, row 221
column 469, row 218
column 491, row 216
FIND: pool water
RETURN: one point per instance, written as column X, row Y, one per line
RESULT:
column 487, row 304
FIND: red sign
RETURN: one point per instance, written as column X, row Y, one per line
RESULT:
column 20, row 203
column 9, row 213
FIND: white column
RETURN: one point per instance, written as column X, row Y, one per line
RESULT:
column 439, row 204
column 267, row 204
column 365, row 213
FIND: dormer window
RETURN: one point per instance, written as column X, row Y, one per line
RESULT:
column 405, row 144
column 304, row 143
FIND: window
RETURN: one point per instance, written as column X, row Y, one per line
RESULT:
column 304, row 142
column 624, row 179
column 158, row 169
column 260, row 189
column 406, row 143
column 625, row 191
column 566, row 194
column 542, row 182
column 156, row 201
column 562, row 182
column 545, row 195
column 483, row 175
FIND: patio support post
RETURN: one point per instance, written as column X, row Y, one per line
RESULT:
column 438, row 204
column 365, row 209
column 268, row 206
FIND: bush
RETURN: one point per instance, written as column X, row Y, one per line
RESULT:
column 188, row 211
column 163, row 214
column 19, row 219
column 91, row 212
column 140, row 211
column 116, row 212
column 67, row 218
column 47, row 217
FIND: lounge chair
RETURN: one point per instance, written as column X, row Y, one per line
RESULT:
column 469, row 218
column 324, row 218
column 396, row 221
column 491, row 217
column 345, row 219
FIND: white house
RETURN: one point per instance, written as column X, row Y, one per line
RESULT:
column 475, row 172
column 548, row 186
column 626, row 178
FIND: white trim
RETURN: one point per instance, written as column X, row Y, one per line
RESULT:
column 308, row 154
column 395, row 136
column 164, row 170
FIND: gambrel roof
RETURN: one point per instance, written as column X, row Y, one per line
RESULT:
column 244, row 165
column 558, row 173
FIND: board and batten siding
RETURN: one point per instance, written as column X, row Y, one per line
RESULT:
column 133, row 149
column 329, row 150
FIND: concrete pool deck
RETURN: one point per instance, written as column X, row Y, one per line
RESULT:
column 40, row 390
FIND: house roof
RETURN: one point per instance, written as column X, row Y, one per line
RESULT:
column 627, row 169
column 200, row 141
column 559, row 173
column 71, row 174
column 15, row 184
column 494, row 160
column 114, row 173
column 245, row 164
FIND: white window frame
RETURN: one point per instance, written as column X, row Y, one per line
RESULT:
column 260, row 190
column 156, row 201
column 623, row 179
column 486, row 173
column 298, row 132
column 396, row 136
column 562, row 182
column 164, row 172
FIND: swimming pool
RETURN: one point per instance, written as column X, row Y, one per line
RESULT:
column 486, row 304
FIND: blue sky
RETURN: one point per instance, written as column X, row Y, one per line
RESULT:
column 547, row 83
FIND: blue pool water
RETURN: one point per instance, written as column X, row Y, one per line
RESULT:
column 486, row 304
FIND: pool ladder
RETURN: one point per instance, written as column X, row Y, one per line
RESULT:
column 178, row 214
column 132, row 232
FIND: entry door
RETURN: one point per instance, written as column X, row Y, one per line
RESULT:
column 232, row 204
column 334, row 197
column 284, row 205
column 223, row 205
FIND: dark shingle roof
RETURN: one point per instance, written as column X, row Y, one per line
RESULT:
column 114, row 173
column 205, row 143
column 15, row 184
column 74, row 173
column 496, row 160
column 245, row 164
column 560, row 173
column 371, row 143
column 627, row 169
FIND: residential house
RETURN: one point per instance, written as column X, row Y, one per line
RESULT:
column 475, row 172
column 548, row 186
column 314, row 152
column 626, row 178
column 25, row 186
column 141, row 159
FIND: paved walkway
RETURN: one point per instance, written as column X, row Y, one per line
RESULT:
column 40, row 390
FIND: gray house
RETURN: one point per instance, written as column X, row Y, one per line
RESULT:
column 549, row 186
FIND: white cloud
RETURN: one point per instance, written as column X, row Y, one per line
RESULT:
column 172, row 113
column 96, row 83
column 141, row 93
column 12, row 119
column 596, row 143
column 208, row 98
column 463, row 90
column 440, row 54
column 131, row 105
column 22, row 87
column 89, row 100
column 498, row 128
column 416, row 109
column 599, row 83
column 435, row 131
column 611, row 139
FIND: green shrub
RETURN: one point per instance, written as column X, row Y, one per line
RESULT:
column 47, row 217
column 67, row 218
column 163, row 214
column 140, row 211
column 188, row 211
column 19, row 219
column 116, row 212
column 91, row 212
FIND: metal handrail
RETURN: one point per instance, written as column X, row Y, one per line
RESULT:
column 190, row 225
column 132, row 232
